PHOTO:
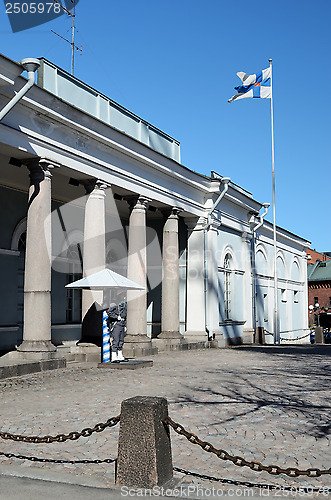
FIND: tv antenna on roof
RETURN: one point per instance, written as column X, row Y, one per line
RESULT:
column 72, row 43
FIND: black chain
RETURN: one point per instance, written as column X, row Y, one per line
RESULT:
column 59, row 461
column 176, row 469
column 247, row 484
column 274, row 470
column 298, row 338
column 60, row 438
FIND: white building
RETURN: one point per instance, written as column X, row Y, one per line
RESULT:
column 104, row 182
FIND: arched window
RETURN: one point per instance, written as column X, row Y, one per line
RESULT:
column 21, row 244
column 295, row 275
column 261, row 263
column 281, row 273
column 18, row 241
column 227, row 286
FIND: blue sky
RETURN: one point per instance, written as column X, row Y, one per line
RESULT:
column 174, row 63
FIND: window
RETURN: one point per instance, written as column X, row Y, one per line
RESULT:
column 315, row 300
column 295, row 296
column 283, row 295
column 73, row 300
column 265, row 306
column 21, row 244
column 329, row 301
column 227, row 287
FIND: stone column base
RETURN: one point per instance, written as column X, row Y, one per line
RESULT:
column 39, row 356
column 138, row 345
column 248, row 336
column 196, row 336
column 85, row 351
column 218, row 341
column 166, row 339
column 170, row 335
column 37, row 351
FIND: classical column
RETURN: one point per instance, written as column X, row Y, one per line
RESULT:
column 37, row 281
column 94, row 253
column 137, row 272
column 195, row 302
column 170, row 278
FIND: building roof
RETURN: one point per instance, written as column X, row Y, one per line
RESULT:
column 78, row 93
column 315, row 256
column 320, row 271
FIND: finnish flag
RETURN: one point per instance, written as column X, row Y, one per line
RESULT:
column 258, row 85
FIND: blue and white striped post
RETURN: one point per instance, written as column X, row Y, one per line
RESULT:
column 105, row 339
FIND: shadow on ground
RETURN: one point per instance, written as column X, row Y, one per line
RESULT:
column 297, row 387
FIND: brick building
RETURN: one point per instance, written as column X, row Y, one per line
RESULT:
column 314, row 256
column 319, row 288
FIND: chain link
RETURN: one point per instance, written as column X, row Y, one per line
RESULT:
column 274, row 470
column 298, row 338
column 60, row 438
column 58, row 461
column 248, row 484
column 289, row 331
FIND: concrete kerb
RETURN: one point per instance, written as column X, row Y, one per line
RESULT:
column 17, row 369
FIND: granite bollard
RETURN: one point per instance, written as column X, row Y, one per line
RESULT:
column 319, row 335
column 144, row 448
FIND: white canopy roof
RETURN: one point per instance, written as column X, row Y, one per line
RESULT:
column 105, row 279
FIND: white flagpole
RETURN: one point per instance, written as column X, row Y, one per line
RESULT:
column 276, row 332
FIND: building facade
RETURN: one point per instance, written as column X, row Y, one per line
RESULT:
column 84, row 184
column 319, row 292
column 319, row 284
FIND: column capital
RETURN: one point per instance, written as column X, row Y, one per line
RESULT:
column 195, row 223
column 40, row 168
column 100, row 184
column 138, row 202
column 46, row 163
column 172, row 212
column 247, row 237
column 92, row 184
column 215, row 224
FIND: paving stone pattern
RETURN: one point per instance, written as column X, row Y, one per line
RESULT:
column 266, row 404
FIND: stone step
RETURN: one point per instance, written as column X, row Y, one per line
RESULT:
column 25, row 368
column 91, row 353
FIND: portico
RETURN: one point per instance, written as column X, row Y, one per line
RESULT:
column 130, row 211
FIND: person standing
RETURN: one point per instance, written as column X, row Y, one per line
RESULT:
column 117, row 326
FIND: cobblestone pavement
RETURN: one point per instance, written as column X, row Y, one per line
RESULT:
column 268, row 404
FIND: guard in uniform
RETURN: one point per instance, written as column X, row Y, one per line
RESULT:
column 117, row 328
